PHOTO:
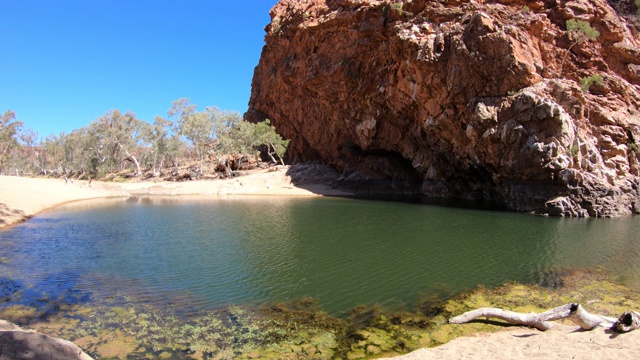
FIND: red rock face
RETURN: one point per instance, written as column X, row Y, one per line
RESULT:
column 475, row 100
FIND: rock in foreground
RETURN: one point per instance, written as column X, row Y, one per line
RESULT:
column 17, row 344
column 461, row 99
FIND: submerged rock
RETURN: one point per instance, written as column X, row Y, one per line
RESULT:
column 460, row 99
column 17, row 344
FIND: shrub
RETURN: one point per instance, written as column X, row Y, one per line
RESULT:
column 586, row 82
column 397, row 7
column 578, row 30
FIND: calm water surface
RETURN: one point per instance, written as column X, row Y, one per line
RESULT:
column 343, row 252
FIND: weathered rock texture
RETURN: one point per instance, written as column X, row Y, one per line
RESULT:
column 18, row 344
column 466, row 99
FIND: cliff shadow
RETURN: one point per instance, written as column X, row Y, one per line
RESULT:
column 322, row 179
column 317, row 178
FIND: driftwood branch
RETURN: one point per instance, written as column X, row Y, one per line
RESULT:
column 544, row 321
column 627, row 322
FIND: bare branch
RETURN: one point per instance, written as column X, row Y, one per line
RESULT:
column 544, row 321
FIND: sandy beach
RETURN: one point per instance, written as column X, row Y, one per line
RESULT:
column 22, row 198
column 525, row 343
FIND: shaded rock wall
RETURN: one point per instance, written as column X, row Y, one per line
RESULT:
column 464, row 99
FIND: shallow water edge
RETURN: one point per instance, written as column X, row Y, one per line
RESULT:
column 296, row 330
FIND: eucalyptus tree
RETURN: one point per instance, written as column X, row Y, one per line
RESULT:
column 197, row 127
column 51, row 155
column 116, row 138
column 245, row 137
column 31, row 151
column 266, row 135
column 22, row 156
column 223, row 121
column 78, row 152
column 162, row 143
column 240, row 139
column 9, row 129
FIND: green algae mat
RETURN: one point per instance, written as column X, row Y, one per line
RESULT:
column 298, row 330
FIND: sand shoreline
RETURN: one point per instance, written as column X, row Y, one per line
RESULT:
column 525, row 343
column 23, row 197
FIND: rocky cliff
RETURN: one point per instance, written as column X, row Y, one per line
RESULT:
column 462, row 99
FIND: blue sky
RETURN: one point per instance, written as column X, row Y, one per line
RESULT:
column 64, row 63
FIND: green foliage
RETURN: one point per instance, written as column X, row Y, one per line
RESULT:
column 275, row 25
column 114, row 139
column 120, row 142
column 9, row 132
column 162, row 144
column 397, row 7
column 266, row 135
column 245, row 137
column 574, row 150
column 579, row 30
column 525, row 9
column 586, row 82
column 201, row 128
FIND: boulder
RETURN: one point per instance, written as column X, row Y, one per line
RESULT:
column 18, row 344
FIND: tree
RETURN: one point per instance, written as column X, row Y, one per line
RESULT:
column 116, row 137
column 52, row 154
column 115, row 140
column 246, row 136
column 161, row 142
column 223, row 121
column 181, row 107
column 266, row 135
column 197, row 127
column 9, row 129
column 79, row 152
column 578, row 31
column 29, row 141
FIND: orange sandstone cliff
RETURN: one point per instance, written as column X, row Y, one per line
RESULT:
column 461, row 99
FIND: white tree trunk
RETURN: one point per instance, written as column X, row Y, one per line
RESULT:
column 544, row 321
column 132, row 159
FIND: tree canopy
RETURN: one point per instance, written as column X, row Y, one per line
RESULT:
column 117, row 141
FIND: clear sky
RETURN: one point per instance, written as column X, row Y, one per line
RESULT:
column 64, row 63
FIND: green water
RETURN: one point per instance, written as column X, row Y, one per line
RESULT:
column 209, row 252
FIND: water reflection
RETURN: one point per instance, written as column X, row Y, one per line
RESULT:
column 211, row 251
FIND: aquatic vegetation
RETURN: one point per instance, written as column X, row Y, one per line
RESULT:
column 299, row 330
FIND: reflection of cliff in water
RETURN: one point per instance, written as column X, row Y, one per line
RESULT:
column 610, row 243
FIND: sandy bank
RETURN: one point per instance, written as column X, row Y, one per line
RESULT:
column 524, row 343
column 22, row 198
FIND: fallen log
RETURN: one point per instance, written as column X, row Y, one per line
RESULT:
column 544, row 321
column 627, row 322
